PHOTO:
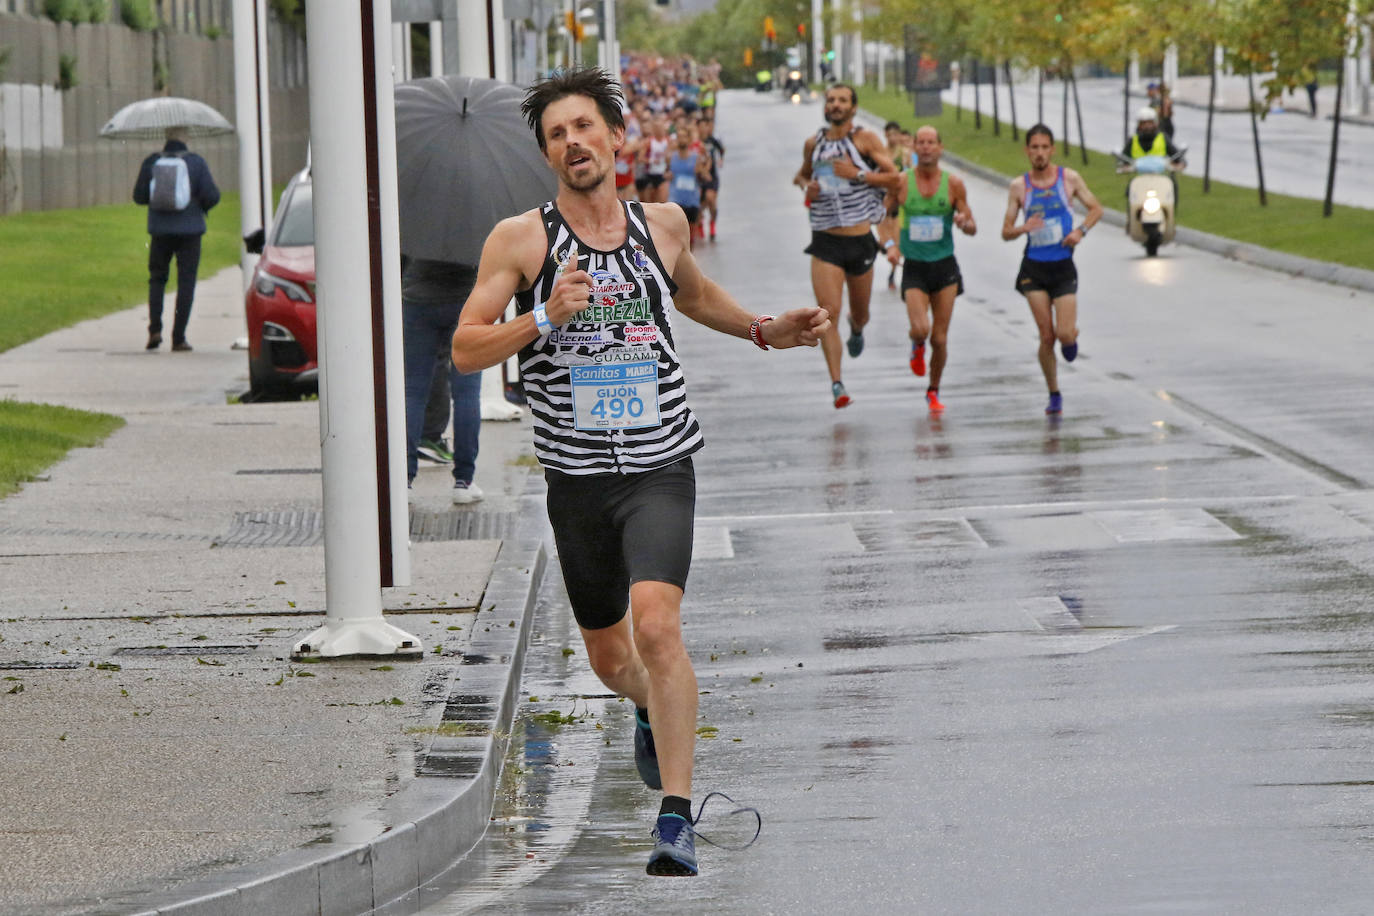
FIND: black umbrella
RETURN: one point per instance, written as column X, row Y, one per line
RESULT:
column 465, row 160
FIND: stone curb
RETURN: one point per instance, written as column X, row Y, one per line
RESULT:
column 418, row 833
column 1295, row 265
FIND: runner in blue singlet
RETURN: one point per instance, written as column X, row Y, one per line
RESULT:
column 1048, row 278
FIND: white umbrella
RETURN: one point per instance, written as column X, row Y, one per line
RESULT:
column 150, row 119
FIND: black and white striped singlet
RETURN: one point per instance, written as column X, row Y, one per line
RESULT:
column 629, row 323
column 842, row 203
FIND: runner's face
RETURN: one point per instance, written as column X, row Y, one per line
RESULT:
column 928, row 147
column 579, row 145
column 1040, row 151
column 838, row 107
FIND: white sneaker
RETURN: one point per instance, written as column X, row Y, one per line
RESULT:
column 464, row 493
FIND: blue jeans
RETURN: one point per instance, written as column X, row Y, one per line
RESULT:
column 428, row 330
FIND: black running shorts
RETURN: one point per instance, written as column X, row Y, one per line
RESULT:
column 693, row 213
column 613, row 530
column 648, row 181
column 1058, row 278
column 931, row 276
column 854, row 254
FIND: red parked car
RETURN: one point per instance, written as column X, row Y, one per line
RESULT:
column 280, row 303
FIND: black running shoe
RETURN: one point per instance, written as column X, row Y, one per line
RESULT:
column 646, row 755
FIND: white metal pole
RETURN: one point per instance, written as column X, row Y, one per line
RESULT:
column 472, row 40
column 436, row 49
column 251, row 111
column 856, row 41
column 817, row 38
column 499, row 27
column 357, row 263
column 611, row 62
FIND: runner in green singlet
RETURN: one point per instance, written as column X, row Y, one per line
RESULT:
column 924, row 208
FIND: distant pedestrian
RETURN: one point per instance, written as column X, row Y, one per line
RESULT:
column 177, row 188
column 1312, row 97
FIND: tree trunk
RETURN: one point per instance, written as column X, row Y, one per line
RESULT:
column 1078, row 113
column 1126, row 103
column 996, row 115
column 977, row 97
column 1254, row 131
column 1335, row 141
column 1211, row 109
column 1011, row 98
column 959, row 97
column 1064, row 78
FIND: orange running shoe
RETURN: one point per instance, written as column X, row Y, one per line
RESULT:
column 842, row 398
column 933, row 400
column 918, row 358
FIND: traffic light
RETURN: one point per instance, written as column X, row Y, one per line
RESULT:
column 576, row 29
column 769, row 31
column 801, row 30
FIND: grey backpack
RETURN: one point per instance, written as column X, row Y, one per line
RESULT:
column 171, row 185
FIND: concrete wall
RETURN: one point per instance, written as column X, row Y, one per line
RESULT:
column 51, row 154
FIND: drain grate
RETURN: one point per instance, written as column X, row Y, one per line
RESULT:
column 463, row 767
column 279, row 470
column 38, row 666
column 305, row 527
column 461, row 525
column 186, row 650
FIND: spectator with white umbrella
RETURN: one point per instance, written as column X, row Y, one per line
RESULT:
column 176, row 186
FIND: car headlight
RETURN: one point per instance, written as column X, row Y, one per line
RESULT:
column 1151, row 205
column 269, row 284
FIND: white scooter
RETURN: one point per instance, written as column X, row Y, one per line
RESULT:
column 1150, row 198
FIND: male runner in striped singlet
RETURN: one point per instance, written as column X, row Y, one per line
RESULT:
column 845, row 172
column 597, row 281
column 1048, row 278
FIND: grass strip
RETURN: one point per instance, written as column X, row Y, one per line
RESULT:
column 1290, row 224
column 36, row 436
column 61, row 267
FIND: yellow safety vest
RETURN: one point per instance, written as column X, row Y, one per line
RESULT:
column 1159, row 147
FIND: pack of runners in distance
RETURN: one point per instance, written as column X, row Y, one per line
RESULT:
column 856, row 182
column 671, row 153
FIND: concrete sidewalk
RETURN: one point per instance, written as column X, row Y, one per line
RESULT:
column 162, row 753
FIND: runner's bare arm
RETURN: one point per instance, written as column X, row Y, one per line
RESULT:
column 704, row 301
column 511, row 258
column 803, row 177
column 1016, row 193
column 1079, row 188
column 886, row 174
column 958, row 197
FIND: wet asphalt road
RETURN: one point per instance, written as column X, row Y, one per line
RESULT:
column 993, row 662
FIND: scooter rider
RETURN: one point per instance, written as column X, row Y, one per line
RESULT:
column 1149, row 140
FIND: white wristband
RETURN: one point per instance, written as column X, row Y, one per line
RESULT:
column 541, row 320
column 887, row 246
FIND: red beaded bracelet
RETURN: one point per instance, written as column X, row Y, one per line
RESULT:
column 756, row 331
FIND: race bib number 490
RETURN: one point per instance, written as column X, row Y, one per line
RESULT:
column 615, row 395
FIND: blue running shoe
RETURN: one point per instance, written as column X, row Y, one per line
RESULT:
column 675, row 853
column 1056, row 404
column 1070, row 351
column 855, row 343
column 646, row 755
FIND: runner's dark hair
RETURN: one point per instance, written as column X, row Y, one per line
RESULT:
column 1038, row 129
column 853, row 95
column 591, row 82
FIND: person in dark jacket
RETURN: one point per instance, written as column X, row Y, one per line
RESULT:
column 175, row 233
